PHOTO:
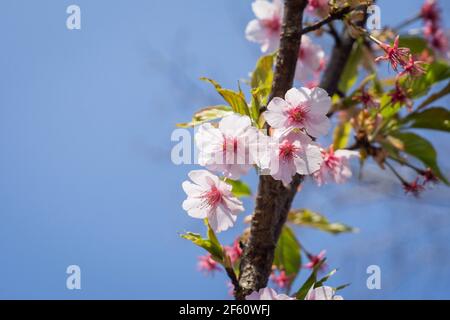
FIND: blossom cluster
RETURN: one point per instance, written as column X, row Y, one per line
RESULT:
column 400, row 57
column 433, row 30
column 233, row 146
column 282, row 141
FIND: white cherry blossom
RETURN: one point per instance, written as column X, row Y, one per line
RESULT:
column 310, row 62
column 323, row 293
column 335, row 166
column 231, row 148
column 292, row 152
column 266, row 28
column 301, row 108
column 209, row 197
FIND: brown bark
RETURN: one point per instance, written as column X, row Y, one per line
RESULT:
column 273, row 200
column 335, row 67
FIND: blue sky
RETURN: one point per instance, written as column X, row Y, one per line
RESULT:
column 86, row 177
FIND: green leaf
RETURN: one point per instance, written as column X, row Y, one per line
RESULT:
column 436, row 118
column 341, row 135
column 308, row 218
column 435, row 72
column 325, row 279
column 211, row 244
column 421, row 149
column 287, row 253
column 261, row 83
column 255, row 107
column 240, row 189
column 414, row 43
column 262, row 76
column 341, row 287
column 235, row 99
column 350, row 73
column 207, row 114
column 310, row 282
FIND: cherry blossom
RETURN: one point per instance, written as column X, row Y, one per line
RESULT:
column 413, row 67
column 439, row 41
column 335, row 166
column 292, row 152
column 281, row 279
column 395, row 55
column 301, row 108
column 415, row 188
column 323, row 293
column 367, row 99
column 209, row 197
column 399, row 95
column 228, row 149
column 433, row 30
column 267, row 294
column 234, row 251
column 429, row 177
column 430, row 11
column 311, row 61
column 266, row 28
column 207, row 264
column 319, row 8
column 314, row 260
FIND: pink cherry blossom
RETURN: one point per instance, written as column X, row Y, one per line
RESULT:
column 292, row 152
column 267, row 294
column 413, row 67
column 366, row 98
column 439, row 41
column 335, row 166
column 323, row 293
column 433, row 29
column 314, row 260
column 429, row 177
column 234, row 251
column 228, row 149
column 311, row 61
column 266, row 28
column 399, row 95
column 414, row 187
column 301, row 108
column 209, row 197
column 319, row 8
column 430, row 11
column 282, row 280
column 207, row 264
column 395, row 55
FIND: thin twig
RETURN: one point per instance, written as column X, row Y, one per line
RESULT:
column 407, row 22
column 337, row 15
column 399, row 177
column 332, row 30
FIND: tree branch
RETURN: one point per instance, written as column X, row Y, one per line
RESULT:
column 337, row 15
column 339, row 56
column 273, row 200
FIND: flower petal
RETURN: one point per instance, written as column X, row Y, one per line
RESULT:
column 263, row 9
column 296, row 96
